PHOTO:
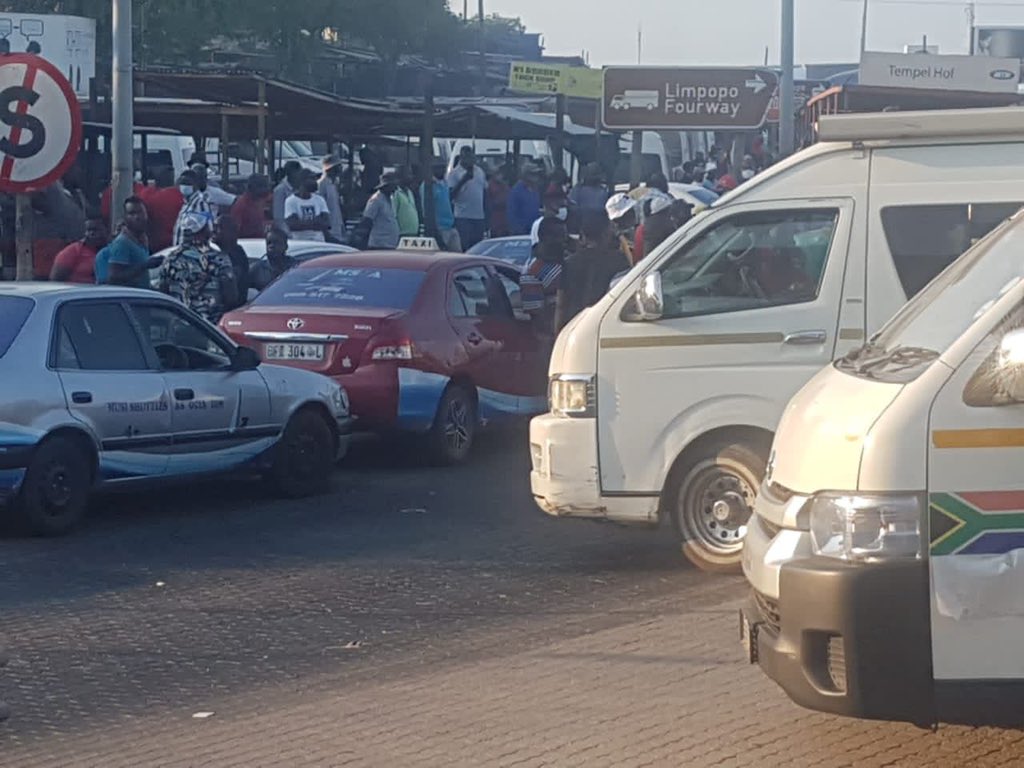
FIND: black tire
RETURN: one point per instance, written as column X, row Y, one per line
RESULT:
column 304, row 457
column 55, row 493
column 451, row 437
column 711, row 498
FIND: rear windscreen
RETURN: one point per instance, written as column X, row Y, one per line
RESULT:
column 14, row 311
column 344, row 287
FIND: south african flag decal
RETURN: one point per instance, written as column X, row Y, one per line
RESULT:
column 976, row 523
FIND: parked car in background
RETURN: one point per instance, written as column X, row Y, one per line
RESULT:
column 104, row 387
column 429, row 344
column 515, row 250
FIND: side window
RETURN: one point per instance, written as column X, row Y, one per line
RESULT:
column 471, row 286
column 925, row 239
column 97, row 337
column 178, row 342
column 750, row 260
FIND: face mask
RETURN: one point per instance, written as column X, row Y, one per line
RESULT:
column 747, row 173
column 563, row 214
column 187, row 190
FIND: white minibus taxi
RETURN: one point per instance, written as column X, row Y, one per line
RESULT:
column 886, row 553
column 665, row 395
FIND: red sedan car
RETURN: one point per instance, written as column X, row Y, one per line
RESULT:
column 424, row 343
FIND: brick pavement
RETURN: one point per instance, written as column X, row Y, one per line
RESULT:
column 664, row 691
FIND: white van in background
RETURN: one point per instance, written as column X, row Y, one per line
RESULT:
column 665, row 395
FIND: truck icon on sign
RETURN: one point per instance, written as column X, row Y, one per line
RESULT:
column 648, row 100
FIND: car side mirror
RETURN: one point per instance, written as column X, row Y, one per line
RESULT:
column 245, row 359
column 648, row 303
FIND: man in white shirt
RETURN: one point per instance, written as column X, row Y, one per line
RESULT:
column 197, row 201
column 306, row 212
column 328, row 190
column 468, row 184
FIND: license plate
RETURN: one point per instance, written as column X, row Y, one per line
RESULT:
column 748, row 637
column 293, row 351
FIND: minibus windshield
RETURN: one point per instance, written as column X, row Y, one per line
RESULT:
column 927, row 325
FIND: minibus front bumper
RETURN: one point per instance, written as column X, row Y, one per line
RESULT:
column 847, row 638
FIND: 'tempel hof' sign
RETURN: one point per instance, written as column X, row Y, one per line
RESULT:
column 949, row 73
column 554, row 79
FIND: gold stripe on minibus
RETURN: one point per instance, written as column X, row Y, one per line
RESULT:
column 851, row 334
column 978, row 438
column 705, row 340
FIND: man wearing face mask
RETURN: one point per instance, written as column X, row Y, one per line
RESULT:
column 556, row 206
column 749, row 168
column 197, row 202
column 542, row 276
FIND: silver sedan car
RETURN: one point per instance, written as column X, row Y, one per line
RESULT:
column 103, row 386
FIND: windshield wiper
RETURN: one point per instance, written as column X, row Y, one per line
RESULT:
column 897, row 359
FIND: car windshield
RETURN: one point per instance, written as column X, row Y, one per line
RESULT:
column 514, row 251
column 14, row 311
column 355, row 287
column 934, row 319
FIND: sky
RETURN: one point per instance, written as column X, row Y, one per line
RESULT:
column 736, row 32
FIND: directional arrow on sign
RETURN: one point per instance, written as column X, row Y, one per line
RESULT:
column 756, row 84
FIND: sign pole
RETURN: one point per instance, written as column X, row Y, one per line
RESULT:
column 24, row 228
column 636, row 160
column 787, row 119
column 122, row 117
column 559, row 142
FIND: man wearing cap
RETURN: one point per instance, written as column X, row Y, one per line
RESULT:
column 328, row 190
column 379, row 217
column 621, row 209
column 198, row 276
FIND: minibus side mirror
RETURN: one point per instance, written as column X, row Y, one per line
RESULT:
column 648, row 303
column 1011, row 365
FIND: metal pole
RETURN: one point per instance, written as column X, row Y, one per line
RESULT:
column 427, row 164
column 864, row 30
column 559, row 142
column 122, row 114
column 636, row 160
column 24, row 234
column 786, row 116
column 261, row 128
column 483, row 52
column 225, row 138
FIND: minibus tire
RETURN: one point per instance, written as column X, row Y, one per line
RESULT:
column 730, row 471
column 55, row 492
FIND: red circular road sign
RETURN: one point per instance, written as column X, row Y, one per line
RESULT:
column 40, row 123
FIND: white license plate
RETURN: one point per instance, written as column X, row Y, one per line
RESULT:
column 293, row 352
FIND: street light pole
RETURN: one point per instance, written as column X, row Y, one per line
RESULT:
column 483, row 52
column 864, row 30
column 121, row 110
column 787, row 118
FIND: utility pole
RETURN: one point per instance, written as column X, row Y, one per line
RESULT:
column 972, row 17
column 121, row 110
column 864, row 30
column 483, row 51
column 786, row 117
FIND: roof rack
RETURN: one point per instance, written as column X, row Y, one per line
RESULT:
column 940, row 123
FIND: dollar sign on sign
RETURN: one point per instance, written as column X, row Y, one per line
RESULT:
column 9, row 115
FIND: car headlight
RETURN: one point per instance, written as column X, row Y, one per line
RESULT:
column 572, row 395
column 866, row 526
column 339, row 399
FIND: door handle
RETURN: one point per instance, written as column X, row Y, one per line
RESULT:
column 184, row 394
column 81, row 398
column 805, row 338
column 474, row 338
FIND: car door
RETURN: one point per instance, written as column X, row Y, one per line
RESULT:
column 976, row 520
column 469, row 311
column 751, row 311
column 113, row 387
column 526, row 359
column 220, row 418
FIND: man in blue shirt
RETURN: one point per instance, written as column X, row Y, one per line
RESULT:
column 126, row 261
column 524, row 203
column 446, row 233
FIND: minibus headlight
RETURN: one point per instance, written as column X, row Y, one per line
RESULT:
column 572, row 395
column 866, row 526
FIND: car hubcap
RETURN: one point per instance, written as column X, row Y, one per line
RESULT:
column 718, row 508
column 456, row 429
column 56, row 488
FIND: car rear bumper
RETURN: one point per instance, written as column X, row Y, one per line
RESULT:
column 564, row 477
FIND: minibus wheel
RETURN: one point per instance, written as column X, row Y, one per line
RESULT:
column 711, row 500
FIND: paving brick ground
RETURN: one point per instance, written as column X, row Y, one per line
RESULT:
column 413, row 618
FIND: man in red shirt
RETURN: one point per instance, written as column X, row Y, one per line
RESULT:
column 76, row 262
column 163, row 203
column 250, row 209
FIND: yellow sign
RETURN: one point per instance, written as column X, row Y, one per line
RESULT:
column 581, row 82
